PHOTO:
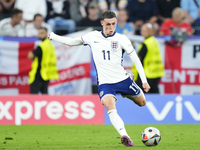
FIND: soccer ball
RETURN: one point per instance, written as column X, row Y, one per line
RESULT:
column 151, row 136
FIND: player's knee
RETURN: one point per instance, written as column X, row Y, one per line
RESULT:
column 142, row 103
column 109, row 103
column 110, row 107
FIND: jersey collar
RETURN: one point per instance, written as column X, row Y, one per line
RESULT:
column 107, row 36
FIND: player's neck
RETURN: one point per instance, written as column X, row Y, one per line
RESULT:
column 106, row 35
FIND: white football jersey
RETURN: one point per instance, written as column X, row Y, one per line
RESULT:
column 107, row 54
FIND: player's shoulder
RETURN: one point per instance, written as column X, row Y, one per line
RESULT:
column 121, row 37
column 95, row 32
column 118, row 35
column 92, row 33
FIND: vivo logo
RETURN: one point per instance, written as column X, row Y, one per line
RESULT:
column 178, row 109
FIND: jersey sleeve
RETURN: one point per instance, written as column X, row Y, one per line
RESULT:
column 66, row 40
column 86, row 38
column 126, row 45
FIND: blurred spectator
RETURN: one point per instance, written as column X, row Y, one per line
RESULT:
column 93, row 19
column 165, row 8
column 61, row 17
column 149, row 54
column 113, row 5
column 123, row 27
column 190, row 8
column 33, row 27
column 177, row 21
column 43, row 67
column 49, row 11
column 30, row 8
column 78, row 9
column 142, row 11
column 6, row 7
column 13, row 26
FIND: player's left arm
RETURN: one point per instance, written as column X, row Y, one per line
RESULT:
column 140, row 69
column 131, row 52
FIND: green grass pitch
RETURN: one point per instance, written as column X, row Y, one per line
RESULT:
column 94, row 137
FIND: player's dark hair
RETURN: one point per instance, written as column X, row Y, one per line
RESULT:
column 43, row 28
column 108, row 14
column 15, row 12
column 37, row 15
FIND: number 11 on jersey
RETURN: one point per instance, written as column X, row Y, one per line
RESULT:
column 106, row 55
column 134, row 88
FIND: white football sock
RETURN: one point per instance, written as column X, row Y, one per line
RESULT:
column 117, row 122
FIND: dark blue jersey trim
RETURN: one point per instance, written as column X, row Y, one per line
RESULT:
column 107, row 36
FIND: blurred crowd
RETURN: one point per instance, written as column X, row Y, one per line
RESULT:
column 25, row 17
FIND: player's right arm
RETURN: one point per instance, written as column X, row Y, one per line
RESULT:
column 66, row 40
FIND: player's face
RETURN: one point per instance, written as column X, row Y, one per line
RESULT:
column 109, row 26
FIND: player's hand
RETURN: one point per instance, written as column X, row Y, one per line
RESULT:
column 50, row 36
column 146, row 87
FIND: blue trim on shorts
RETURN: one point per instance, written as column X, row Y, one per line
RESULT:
column 125, row 87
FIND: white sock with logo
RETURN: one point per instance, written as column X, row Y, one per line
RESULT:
column 117, row 122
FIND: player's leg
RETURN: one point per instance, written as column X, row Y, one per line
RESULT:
column 109, row 102
column 132, row 91
column 139, row 100
column 115, row 119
